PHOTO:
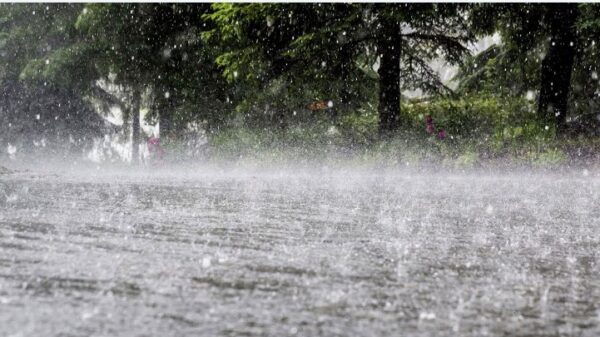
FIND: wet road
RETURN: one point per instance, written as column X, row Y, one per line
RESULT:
column 306, row 254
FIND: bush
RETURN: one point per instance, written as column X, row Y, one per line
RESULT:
column 478, row 128
column 492, row 125
column 471, row 116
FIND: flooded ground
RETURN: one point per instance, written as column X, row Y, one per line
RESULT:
column 300, row 253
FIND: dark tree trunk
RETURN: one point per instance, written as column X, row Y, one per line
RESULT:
column 164, row 122
column 346, row 95
column 389, row 49
column 165, row 115
column 135, row 128
column 557, row 65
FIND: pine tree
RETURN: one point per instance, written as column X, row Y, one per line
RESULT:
column 332, row 50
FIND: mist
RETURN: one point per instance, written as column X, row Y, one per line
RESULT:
column 299, row 169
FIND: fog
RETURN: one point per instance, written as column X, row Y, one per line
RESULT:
column 321, row 251
column 289, row 169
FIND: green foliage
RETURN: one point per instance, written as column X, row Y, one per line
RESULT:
column 285, row 56
column 67, row 67
column 31, row 31
column 514, row 66
column 361, row 126
column 41, row 108
column 481, row 120
column 499, row 70
column 549, row 157
column 245, row 73
column 479, row 129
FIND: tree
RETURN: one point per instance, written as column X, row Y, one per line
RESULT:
column 37, row 113
column 389, row 47
column 151, row 54
column 557, row 66
column 157, row 46
column 540, row 51
column 311, row 49
column 122, row 37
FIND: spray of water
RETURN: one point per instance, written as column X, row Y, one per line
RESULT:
column 315, row 250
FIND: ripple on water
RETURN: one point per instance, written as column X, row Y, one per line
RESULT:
column 312, row 255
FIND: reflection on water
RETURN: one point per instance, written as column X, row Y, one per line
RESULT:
column 300, row 254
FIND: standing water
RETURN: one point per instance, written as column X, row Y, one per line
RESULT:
column 302, row 253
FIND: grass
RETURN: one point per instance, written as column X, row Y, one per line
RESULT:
column 407, row 148
column 482, row 131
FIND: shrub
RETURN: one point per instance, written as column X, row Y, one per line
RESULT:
column 478, row 128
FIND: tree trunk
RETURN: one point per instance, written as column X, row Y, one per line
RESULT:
column 389, row 49
column 164, row 122
column 557, row 65
column 346, row 96
column 165, row 114
column 135, row 127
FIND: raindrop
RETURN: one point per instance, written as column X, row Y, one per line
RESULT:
column 530, row 95
column 206, row 262
column 12, row 198
column 11, row 149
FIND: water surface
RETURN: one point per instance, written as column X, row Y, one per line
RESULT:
column 307, row 253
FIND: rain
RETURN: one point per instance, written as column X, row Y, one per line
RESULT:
column 299, row 169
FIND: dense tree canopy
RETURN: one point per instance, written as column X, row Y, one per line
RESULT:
column 547, row 49
column 292, row 54
column 269, row 65
column 36, row 112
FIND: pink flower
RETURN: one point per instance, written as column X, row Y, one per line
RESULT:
column 156, row 151
column 441, row 134
column 430, row 127
column 153, row 144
